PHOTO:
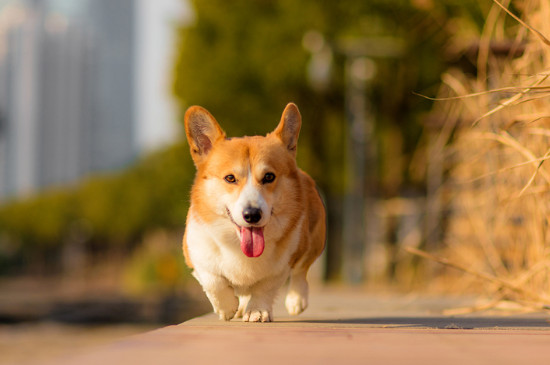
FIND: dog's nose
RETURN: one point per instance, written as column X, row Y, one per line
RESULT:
column 252, row 215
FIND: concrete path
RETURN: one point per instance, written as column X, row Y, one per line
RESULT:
column 343, row 327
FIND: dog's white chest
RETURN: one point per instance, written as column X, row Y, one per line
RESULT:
column 215, row 248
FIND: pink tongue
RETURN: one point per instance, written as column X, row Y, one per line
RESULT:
column 252, row 241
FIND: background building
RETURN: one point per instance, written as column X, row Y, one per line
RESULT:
column 71, row 81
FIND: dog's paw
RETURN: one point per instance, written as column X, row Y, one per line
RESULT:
column 258, row 315
column 243, row 303
column 239, row 314
column 226, row 315
column 295, row 303
column 228, row 311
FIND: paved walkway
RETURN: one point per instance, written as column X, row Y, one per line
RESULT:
column 343, row 327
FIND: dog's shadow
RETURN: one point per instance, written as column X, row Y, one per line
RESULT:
column 438, row 322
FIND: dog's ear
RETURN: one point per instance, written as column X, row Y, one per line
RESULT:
column 288, row 129
column 202, row 132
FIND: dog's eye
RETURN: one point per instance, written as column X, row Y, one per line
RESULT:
column 230, row 179
column 268, row 177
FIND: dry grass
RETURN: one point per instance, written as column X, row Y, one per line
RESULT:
column 498, row 182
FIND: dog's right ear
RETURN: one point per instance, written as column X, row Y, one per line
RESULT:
column 202, row 132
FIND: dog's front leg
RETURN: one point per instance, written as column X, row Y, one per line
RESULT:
column 297, row 297
column 220, row 293
column 262, row 295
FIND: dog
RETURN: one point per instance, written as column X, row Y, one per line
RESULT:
column 255, row 218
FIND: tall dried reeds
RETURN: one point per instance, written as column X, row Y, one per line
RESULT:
column 497, row 182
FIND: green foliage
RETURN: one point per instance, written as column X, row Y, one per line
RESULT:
column 157, row 266
column 37, row 221
column 244, row 60
column 109, row 211
column 152, row 194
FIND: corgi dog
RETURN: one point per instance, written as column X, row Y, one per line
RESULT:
column 255, row 218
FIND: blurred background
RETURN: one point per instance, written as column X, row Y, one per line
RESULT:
column 95, row 170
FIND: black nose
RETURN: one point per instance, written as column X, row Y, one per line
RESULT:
column 252, row 215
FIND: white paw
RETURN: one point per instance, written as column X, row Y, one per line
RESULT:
column 295, row 303
column 239, row 313
column 243, row 302
column 226, row 316
column 228, row 309
column 257, row 315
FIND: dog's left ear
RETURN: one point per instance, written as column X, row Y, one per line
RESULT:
column 289, row 127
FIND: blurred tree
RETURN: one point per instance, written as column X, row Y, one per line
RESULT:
column 245, row 60
column 113, row 212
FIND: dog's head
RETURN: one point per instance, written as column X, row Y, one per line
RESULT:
column 246, row 180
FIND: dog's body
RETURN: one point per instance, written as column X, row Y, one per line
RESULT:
column 255, row 218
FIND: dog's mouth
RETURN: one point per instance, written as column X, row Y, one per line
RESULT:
column 252, row 238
